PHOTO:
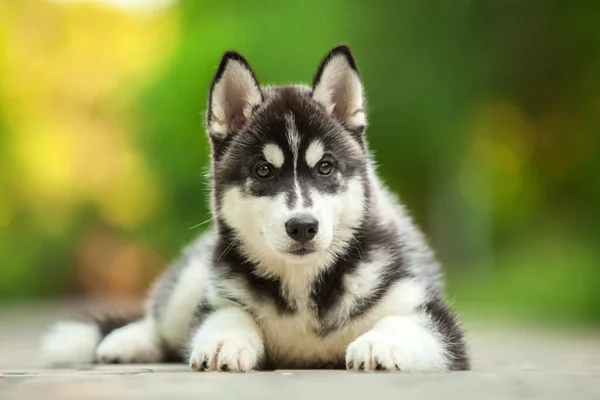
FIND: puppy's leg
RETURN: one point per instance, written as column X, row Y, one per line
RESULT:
column 137, row 342
column 430, row 340
column 228, row 340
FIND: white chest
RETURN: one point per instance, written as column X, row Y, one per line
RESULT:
column 293, row 340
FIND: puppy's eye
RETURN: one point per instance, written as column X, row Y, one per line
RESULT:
column 264, row 170
column 325, row 168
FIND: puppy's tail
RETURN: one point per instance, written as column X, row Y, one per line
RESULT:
column 75, row 341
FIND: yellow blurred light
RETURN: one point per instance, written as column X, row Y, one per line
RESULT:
column 133, row 197
column 130, row 5
column 492, row 171
column 70, row 73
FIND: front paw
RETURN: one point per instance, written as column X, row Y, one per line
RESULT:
column 235, row 352
column 373, row 351
column 133, row 343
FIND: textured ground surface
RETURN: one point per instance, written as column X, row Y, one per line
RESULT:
column 509, row 362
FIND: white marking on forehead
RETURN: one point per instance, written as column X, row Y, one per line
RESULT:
column 273, row 154
column 292, row 133
column 294, row 142
column 314, row 153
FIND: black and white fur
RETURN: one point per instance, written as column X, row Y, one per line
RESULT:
column 362, row 292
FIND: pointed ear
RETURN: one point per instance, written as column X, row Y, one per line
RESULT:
column 234, row 93
column 337, row 86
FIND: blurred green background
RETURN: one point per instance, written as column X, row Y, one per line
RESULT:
column 484, row 117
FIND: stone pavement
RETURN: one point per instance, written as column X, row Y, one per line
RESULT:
column 509, row 362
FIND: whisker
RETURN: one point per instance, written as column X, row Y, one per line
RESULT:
column 211, row 219
column 229, row 247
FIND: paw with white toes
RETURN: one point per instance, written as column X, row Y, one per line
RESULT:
column 374, row 351
column 398, row 343
column 236, row 352
column 133, row 343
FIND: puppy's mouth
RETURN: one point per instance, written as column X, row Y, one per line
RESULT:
column 301, row 252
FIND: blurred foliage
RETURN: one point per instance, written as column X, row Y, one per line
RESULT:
column 484, row 116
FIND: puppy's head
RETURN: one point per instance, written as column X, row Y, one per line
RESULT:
column 289, row 162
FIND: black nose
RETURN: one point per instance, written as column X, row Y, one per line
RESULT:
column 302, row 229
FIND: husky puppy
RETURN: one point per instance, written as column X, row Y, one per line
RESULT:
column 311, row 263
